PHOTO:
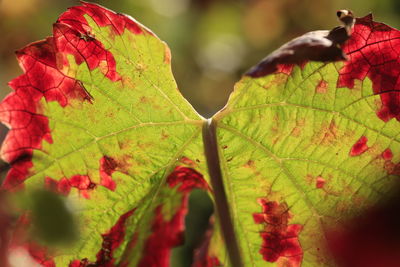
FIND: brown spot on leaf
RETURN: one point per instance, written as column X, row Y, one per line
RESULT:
column 164, row 135
column 167, row 56
column 275, row 129
column 296, row 131
column 359, row 147
column 322, row 183
column 276, row 124
column 188, row 162
column 279, row 79
column 309, row 179
column 141, row 67
column 390, row 167
column 327, row 135
column 280, row 239
column 330, row 134
column 107, row 166
column 358, row 200
column 249, row 164
column 143, row 145
column 322, row 87
column 342, row 207
column 144, row 100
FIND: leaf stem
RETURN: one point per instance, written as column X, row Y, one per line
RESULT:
column 221, row 201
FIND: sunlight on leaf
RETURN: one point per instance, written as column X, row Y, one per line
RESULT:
column 306, row 147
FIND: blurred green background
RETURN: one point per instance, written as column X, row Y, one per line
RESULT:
column 212, row 41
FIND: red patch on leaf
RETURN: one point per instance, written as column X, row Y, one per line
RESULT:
column 320, row 182
column 165, row 235
column 18, row 172
column 373, row 52
column 187, row 178
column 280, row 239
column 89, row 50
column 21, row 110
column 387, row 154
column 107, row 166
column 322, row 87
column 168, row 234
column 103, row 17
column 74, row 36
column 390, row 167
column 188, row 162
column 63, row 186
column 285, row 68
column 111, row 241
column 359, row 147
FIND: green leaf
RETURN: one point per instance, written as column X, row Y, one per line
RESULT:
column 303, row 149
column 102, row 122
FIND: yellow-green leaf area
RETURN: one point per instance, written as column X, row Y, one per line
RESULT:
column 140, row 123
column 286, row 138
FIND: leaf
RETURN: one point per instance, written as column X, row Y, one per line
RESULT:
column 309, row 146
column 301, row 148
column 97, row 117
column 317, row 46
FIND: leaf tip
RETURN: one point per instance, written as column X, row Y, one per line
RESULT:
column 324, row 46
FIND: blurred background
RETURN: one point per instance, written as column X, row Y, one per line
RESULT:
column 212, row 41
